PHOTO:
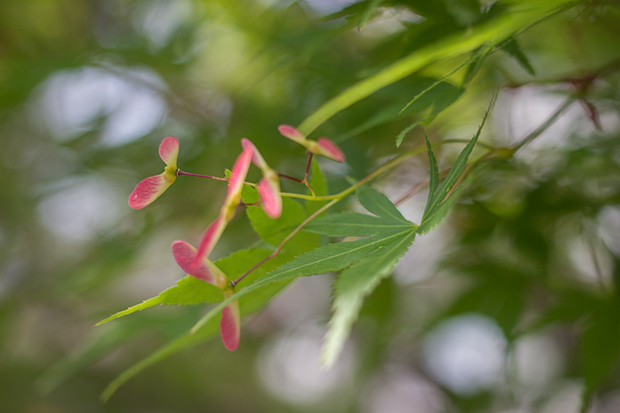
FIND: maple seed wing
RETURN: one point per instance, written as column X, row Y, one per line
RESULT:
column 169, row 151
column 230, row 325
column 257, row 158
column 185, row 254
column 271, row 201
column 239, row 172
column 148, row 190
column 212, row 235
column 293, row 134
column 330, row 150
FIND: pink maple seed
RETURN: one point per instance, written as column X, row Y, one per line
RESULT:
column 269, row 191
column 169, row 151
column 209, row 239
column 238, row 174
column 185, row 256
column 292, row 133
column 257, row 158
column 148, row 190
column 330, row 150
column 230, row 325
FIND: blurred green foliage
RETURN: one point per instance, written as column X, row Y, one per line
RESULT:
column 532, row 248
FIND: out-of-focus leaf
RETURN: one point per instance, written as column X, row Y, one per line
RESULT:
column 570, row 306
column 401, row 136
column 372, row 5
column 440, row 96
column 473, row 67
column 471, row 59
column 600, row 345
column 513, row 49
column 517, row 17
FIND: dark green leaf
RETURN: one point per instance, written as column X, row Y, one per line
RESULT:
column 442, row 95
column 319, row 185
column 600, row 346
column 513, row 49
column 372, row 5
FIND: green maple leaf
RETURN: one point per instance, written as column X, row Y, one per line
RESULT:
column 387, row 236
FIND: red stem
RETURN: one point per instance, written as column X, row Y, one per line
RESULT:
column 291, row 178
column 308, row 167
column 217, row 178
column 285, row 240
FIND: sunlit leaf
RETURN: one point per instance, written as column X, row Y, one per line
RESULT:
column 334, row 256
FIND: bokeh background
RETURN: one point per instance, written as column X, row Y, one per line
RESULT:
column 509, row 306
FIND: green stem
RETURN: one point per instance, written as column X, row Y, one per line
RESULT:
column 529, row 138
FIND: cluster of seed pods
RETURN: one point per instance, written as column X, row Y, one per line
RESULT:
column 195, row 262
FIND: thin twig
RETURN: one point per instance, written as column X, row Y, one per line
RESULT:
column 217, row 178
column 529, row 138
column 292, row 178
column 417, row 188
column 305, row 181
column 308, row 167
column 285, row 240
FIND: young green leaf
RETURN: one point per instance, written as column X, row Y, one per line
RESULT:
column 353, row 285
column 334, row 256
column 273, row 231
column 401, row 136
column 434, row 172
column 354, row 224
column 379, row 204
column 433, row 218
column 434, row 204
column 234, row 265
column 474, row 66
column 188, row 291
